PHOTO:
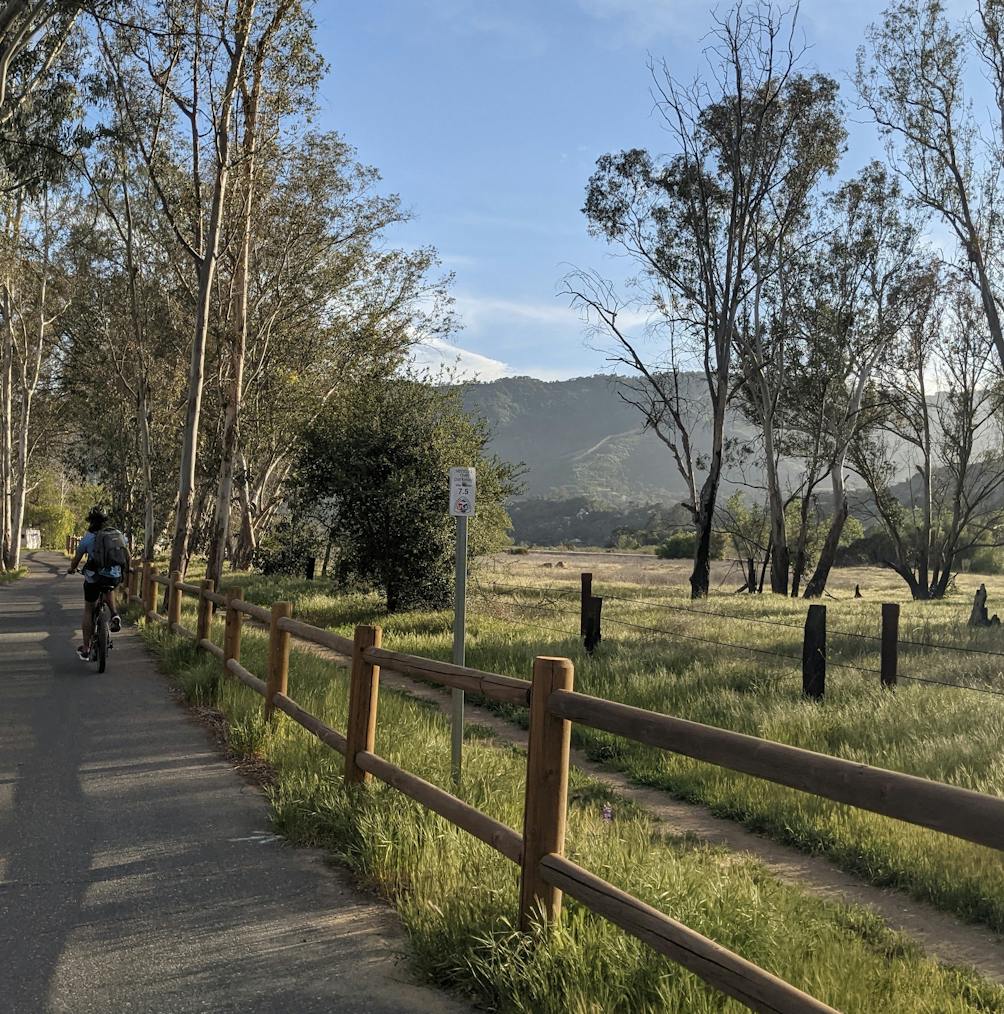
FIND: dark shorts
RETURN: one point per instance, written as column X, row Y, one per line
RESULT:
column 94, row 589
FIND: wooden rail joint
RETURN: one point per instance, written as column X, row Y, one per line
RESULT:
column 546, row 803
column 278, row 657
column 205, row 624
column 232, row 627
column 364, row 693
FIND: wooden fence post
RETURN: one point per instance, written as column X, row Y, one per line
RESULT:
column 585, row 595
column 814, row 653
column 890, row 642
column 546, row 790
column 150, row 591
column 278, row 656
column 232, row 628
column 594, row 628
column 174, row 595
column 204, row 629
column 364, row 692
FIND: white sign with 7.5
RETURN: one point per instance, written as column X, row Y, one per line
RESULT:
column 463, row 492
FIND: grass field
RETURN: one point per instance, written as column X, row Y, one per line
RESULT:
column 9, row 576
column 521, row 607
column 458, row 899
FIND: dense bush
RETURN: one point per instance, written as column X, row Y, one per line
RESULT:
column 287, row 548
column 682, row 544
column 875, row 546
column 374, row 470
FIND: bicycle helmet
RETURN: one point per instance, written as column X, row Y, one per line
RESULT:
column 96, row 519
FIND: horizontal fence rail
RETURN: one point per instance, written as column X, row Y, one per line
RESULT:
column 749, row 983
column 949, row 809
column 492, row 685
column 554, row 705
column 492, row 832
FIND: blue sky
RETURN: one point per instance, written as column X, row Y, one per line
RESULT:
column 487, row 118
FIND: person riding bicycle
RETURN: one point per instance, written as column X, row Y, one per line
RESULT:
column 107, row 563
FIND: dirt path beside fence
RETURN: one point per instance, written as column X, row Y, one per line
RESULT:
column 942, row 935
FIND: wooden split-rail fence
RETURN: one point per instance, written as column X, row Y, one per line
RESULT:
column 545, row 873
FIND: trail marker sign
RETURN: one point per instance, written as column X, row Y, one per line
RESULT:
column 463, row 492
column 463, row 497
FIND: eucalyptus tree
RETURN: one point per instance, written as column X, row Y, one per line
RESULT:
column 943, row 402
column 126, row 337
column 912, row 77
column 872, row 277
column 707, row 228
column 33, row 36
column 330, row 302
column 276, row 92
column 186, row 64
column 33, row 298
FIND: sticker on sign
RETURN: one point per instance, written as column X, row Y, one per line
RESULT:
column 463, row 492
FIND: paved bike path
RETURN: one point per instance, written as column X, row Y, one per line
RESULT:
column 137, row 869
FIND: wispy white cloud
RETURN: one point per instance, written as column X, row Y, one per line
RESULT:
column 474, row 17
column 479, row 310
column 458, row 260
column 435, row 354
column 643, row 22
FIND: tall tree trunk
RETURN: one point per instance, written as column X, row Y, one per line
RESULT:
column 780, row 561
column 700, row 579
column 20, row 484
column 146, row 464
column 207, row 274
column 224, row 493
column 6, row 439
column 828, row 554
column 246, row 542
column 798, row 567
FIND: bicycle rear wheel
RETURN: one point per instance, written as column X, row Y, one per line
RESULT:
column 103, row 637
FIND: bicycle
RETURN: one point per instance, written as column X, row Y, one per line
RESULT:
column 101, row 636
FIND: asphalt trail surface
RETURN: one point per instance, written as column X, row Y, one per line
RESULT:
column 137, row 870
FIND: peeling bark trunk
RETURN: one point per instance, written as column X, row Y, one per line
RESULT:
column 209, row 258
column 6, row 443
column 828, row 554
column 780, row 561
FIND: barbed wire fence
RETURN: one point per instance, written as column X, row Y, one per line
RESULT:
column 553, row 603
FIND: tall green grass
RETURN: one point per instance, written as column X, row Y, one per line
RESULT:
column 458, row 899
column 944, row 733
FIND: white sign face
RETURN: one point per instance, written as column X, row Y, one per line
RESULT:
column 463, row 492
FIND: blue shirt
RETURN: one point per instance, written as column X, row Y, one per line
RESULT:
column 85, row 545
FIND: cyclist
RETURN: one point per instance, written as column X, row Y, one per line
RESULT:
column 107, row 563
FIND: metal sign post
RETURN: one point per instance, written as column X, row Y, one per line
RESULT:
column 463, row 493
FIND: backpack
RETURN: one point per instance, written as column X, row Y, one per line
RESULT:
column 109, row 550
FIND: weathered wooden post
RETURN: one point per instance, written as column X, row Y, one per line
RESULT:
column 232, row 627
column 890, row 642
column 546, row 790
column 585, row 595
column 204, row 629
column 594, row 630
column 278, row 656
column 814, row 653
column 150, row 591
column 174, row 594
column 364, row 693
